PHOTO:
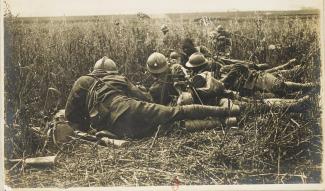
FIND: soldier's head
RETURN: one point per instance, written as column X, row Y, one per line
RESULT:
column 196, row 61
column 220, row 28
column 164, row 28
column 188, row 46
column 157, row 64
column 175, row 58
column 106, row 65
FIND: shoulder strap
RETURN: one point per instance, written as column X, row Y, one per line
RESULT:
column 92, row 96
column 101, row 81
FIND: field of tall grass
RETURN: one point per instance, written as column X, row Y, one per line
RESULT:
column 44, row 58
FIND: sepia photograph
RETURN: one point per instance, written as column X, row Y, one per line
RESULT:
column 170, row 95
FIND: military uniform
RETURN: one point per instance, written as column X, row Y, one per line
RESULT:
column 247, row 82
column 165, row 91
column 221, row 42
column 109, row 101
column 201, row 49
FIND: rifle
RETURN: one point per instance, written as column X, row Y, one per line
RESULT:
column 229, row 61
column 101, row 137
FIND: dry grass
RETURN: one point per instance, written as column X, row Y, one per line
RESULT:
column 267, row 148
column 271, row 149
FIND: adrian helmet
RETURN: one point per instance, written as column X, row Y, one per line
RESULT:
column 196, row 59
column 157, row 63
column 174, row 55
column 220, row 28
column 105, row 64
column 164, row 28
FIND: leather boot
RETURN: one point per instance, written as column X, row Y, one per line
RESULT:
column 289, row 105
column 297, row 106
column 293, row 87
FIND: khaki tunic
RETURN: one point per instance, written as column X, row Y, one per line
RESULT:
column 120, row 107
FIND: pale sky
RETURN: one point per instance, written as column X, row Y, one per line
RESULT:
column 107, row 7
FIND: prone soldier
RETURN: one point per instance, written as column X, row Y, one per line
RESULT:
column 247, row 81
column 106, row 100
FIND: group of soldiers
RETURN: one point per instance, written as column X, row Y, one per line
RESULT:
column 191, row 84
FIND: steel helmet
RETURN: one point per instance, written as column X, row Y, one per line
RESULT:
column 157, row 63
column 213, row 34
column 105, row 64
column 195, row 60
column 174, row 55
column 220, row 28
column 164, row 28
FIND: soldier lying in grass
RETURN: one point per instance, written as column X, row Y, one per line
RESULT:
column 220, row 65
column 203, row 88
column 247, row 81
column 215, row 64
column 106, row 100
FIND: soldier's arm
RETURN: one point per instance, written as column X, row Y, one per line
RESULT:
column 137, row 93
column 75, row 108
column 179, row 71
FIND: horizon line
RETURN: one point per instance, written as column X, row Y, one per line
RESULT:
column 166, row 13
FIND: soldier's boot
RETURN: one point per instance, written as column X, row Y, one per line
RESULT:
column 289, row 105
column 294, row 87
column 231, row 121
column 203, row 111
column 201, row 124
column 279, row 105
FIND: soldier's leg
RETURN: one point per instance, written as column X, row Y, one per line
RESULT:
column 197, row 125
column 294, row 87
column 142, row 118
column 263, row 66
column 267, row 82
column 289, row 105
column 288, row 72
column 227, row 120
column 203, row 111
column 278, row 105
column 287, row 65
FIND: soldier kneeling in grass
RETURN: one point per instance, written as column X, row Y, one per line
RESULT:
column 106, row 100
